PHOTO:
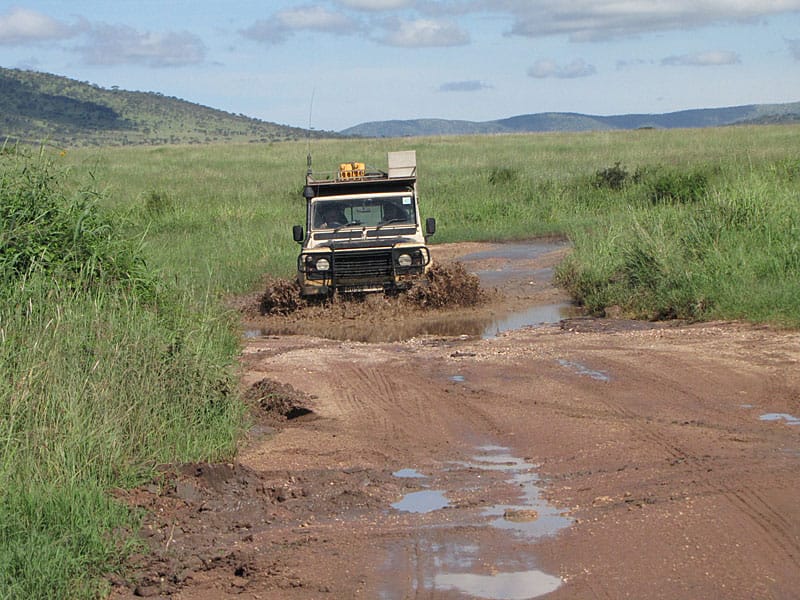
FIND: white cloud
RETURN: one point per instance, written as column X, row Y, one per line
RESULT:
column 282, row 25
column 423, row 33
column 464, row 86
column 376, row 5
column 590, row 20
column 703, row 59
column 21, row 26
column 794, row 48
column 118, row 44
column 545, row 69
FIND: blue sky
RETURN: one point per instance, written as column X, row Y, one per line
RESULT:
column 367, row 60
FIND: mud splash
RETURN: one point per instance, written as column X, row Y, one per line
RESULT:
column 484, row 294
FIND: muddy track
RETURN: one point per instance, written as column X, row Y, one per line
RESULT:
column 579, row 459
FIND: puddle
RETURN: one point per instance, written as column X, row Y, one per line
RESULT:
column 460, row 554
column 786, row 418
column 536, row 315
column 516, row 251
column 533, row 517
column 583, row 370
column 422, row 502
column 457, row 378
column 409, row 474
column 522, row 585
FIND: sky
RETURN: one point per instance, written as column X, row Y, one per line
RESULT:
column 332, row 64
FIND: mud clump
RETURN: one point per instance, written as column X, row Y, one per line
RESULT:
column 281, row 297
column 278, row 402
column 447, row 285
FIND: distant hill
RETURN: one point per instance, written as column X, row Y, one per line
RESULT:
column 36, row 107
column 709, row 117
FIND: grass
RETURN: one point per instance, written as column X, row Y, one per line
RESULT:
column 105, row 372
column 116, row 355
column 690, row 223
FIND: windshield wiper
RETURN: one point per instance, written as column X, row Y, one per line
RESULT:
column 350, row 224
column 389, row 222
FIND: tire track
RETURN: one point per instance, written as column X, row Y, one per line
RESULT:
column 770, row 522
column 774, row 528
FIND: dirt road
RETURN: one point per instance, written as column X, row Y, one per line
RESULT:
column 578, row 459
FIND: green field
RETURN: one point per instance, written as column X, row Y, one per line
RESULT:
column 117, row 353
column 708, row 215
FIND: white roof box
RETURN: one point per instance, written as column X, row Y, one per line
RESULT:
column 403, row 164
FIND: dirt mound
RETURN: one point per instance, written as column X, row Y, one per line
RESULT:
column 278, row 401
column 212, row 523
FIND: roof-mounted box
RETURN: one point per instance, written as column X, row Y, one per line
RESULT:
column 403, row 164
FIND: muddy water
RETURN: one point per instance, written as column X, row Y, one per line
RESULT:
column 452, row 554
column 502, row 265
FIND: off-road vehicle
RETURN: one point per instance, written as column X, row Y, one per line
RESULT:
column 363, row 229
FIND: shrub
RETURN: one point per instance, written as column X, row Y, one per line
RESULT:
column 158, row 202
column 104, row 372
column 48, row 231
column 613, row 178
column 678, row 188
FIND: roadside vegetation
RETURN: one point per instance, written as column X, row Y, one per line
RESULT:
column 106, row 371
column 115, row 264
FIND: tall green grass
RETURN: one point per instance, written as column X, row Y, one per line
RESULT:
column 105, row 372
column 717, row 241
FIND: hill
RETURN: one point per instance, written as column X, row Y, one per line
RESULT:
column 541, row 122
column 40, row 106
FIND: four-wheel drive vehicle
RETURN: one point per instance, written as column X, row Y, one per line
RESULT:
column 363, row 230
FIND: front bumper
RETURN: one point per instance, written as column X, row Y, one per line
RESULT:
column 324, row 270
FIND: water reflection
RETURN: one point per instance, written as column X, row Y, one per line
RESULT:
column 452, row 555
column 522, row 585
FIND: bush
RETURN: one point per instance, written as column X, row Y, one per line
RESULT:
column 158, row 202
column 613, row 178
column 503, row 176
column 49, row 231
column 682, row 188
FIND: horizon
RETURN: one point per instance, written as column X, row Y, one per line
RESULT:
column 332, row 64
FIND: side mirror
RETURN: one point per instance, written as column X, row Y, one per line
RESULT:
column 430, row 226
column 297, row 234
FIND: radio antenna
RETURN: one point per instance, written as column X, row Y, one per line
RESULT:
column 310, row 111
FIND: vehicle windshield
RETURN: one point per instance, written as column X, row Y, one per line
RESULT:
column 363, row 211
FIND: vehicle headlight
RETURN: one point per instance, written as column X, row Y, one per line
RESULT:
column 323, row 264
column 404, row 260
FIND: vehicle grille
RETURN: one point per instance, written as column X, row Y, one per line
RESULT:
column 364, row 266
